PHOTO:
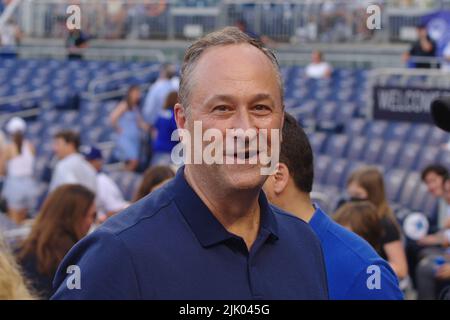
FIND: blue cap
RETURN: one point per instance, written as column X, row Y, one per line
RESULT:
column 92, row 153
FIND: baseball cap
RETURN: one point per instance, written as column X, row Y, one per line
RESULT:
column 15, row 125
column 91, row 153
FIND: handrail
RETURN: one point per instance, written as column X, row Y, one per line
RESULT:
column 22, row 114
column 21, row 96
column 94, row 52
column 90, row 94
column 409, row 72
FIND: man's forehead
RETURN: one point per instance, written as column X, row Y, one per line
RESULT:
column 232, row 58
column 240, row 65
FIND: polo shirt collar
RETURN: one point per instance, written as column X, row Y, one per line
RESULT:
column 208, row 230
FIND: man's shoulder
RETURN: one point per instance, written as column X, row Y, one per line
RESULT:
column 140, row 215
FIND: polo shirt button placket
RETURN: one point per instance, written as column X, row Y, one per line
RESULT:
column 254, row 281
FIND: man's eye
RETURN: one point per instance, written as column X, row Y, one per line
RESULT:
column 261, row 108
column 221, row 108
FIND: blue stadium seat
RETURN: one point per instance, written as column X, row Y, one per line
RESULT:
column 356, row 127
column 336, row 174
column 427, row 156
column 394, row 179
column 345, row 112
column 377, row 129
column 444, row 158
column 437, row 137
column 418, row 133
column 356, row 148
column 337, row 146
column 409, row 188
column 397, row 131
column 409, row 155
column 326, row 112
column 373, row 151
column 318, row 141
column 321, row 167
column 390, row 154
column 420, row 198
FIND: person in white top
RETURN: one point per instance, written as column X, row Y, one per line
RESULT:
column 318, row 68
column 71, row 167
column 156, row 96
column 10, row 36
column 109, row 198
column 17, row 163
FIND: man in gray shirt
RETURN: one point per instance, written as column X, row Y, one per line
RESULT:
column 71, row 167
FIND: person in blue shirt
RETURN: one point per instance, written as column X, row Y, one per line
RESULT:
column 164, row 127
column 354, row 269
column 209, row 233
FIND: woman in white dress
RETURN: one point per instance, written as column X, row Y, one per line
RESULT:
column 17, row 164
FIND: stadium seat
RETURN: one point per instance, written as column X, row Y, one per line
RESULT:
column 337, row 146
column 394, row 179
column 390, row 154
column 322, row 165
column 356, row 148
column 427, row 156
column 336, row 174
column 409, row 188
column 356, row 127
column 409, row 156
column 377, row 129
column 318, row 141
column 373, row 151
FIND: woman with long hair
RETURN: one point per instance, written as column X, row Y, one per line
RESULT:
column 12, row 284
column 367, row 183
column 128, row 123
column 66, row 217
column 17, row 161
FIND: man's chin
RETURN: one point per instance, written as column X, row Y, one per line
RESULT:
column 244, row 176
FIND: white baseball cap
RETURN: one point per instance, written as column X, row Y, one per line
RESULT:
column 15, row 125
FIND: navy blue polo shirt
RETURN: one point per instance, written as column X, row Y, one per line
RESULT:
column 354, row 270
column 170, row 246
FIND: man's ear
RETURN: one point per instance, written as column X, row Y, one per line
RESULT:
column 180, row 115
column 281, row 177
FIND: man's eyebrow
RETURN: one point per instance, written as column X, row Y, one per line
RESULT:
column 261, row 96
column 231, row 99
column 221, row 97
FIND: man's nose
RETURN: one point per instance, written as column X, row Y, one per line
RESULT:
column 243, row 120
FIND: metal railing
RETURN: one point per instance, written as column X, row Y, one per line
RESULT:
column 282, row 21
column 91, row 92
